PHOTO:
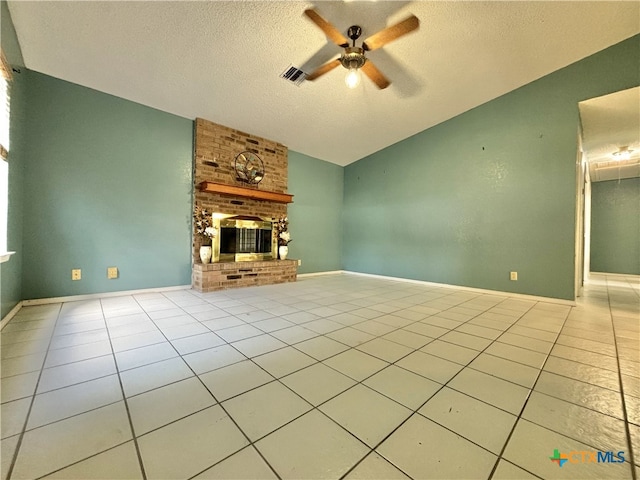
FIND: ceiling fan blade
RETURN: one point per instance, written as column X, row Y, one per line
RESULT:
column 329, row 30
column 391, row 33
column 371, row 71
column 327, row 67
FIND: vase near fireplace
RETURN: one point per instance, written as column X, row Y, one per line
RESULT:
column 205, row 253
column 283, row 251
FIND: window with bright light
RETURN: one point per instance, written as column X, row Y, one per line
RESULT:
column 4, row 119
column 4, row 204
column 5, row 84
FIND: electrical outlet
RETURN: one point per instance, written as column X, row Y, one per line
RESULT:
column 112, row 272
column 76, row 274
column 513, row 276
column 299, row 262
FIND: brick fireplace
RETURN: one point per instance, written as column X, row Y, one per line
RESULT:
column 217, row 189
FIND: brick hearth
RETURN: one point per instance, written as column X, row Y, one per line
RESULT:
column 219, row 276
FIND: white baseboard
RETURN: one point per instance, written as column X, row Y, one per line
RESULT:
column 10, row 315
column 628, row 276
column 94, row 296
column 319, row 274
column 470, row 289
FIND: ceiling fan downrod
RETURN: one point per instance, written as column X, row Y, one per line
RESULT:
column 354, row 33
column 353, row 57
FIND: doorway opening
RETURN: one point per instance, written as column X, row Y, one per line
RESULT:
column 608, row 186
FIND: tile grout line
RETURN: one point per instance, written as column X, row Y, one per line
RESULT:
column 522, row 314
column 22, row 433
column 416, row 411
column 316, row 407
column 217, row 402
column 622, row 396
column 352, row 347
column 524, row 405
column 293, row 345
column 391, row 363
column 483, row 351
column 48, row 474
column 317, row 362
column 124, row 397
column 570, row 402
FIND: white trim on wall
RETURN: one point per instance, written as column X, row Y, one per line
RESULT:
column 471, row 289
column 318, row 274
column 587, row 226
column 10, row 315
column 5, row 256
column 629, row 276
column 94, row 296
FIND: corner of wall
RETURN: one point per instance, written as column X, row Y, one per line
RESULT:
column 11, row 271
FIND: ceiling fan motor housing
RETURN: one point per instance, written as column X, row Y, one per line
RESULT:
column 353, row 57
column 354, row 32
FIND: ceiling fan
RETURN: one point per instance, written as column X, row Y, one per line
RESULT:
column 353, row 58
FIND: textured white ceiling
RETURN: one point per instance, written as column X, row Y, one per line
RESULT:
column 222, row 60
column 608, row 123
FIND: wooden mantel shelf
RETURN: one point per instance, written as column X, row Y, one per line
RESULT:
column 255, row 194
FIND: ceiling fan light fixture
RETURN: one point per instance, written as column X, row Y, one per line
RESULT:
column 353, row 59
column 623, row 153
column 353, row 77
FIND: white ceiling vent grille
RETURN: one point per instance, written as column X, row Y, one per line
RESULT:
column 293, row 75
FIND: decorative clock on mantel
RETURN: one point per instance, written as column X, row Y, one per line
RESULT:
column 249, row 168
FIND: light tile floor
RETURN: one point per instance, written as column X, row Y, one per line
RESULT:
column 337, row 376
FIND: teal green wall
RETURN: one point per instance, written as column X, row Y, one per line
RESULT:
column 11, row 271
column 485, row 193
column 99, row 181
column 615, row 226
column 315, row 216
column 107, row 182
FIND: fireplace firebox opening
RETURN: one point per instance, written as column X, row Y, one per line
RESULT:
column 243, row 238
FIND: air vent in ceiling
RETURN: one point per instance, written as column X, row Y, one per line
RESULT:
column 293, row 75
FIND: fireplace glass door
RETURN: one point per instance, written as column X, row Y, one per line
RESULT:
column 245, row 239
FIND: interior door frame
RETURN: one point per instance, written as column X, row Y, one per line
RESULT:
column 579, row 260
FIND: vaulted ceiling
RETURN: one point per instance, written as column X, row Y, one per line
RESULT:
column 222, row 60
